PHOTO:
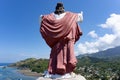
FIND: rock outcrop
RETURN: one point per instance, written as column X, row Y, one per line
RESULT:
column 77, row 77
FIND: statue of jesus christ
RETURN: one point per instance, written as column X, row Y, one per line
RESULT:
column 60, row 30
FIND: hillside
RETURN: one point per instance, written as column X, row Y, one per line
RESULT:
column 35, row 65
column 98, row 69
column 109, row 53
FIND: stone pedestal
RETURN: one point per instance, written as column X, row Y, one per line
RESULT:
column 77, row 77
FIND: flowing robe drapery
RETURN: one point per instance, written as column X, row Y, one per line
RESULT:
column 61, row 35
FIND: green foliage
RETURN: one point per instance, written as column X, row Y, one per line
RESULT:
column 95, row 69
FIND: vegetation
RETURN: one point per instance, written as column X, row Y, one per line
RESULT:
column 98, row 69
column 91, row 68
column 35, row 65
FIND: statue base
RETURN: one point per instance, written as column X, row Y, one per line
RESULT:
column 78, row 77
column 68, row 76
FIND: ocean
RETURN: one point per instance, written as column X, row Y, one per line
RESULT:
column 9, row 73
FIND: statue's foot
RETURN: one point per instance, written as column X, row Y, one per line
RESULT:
column 46, row 74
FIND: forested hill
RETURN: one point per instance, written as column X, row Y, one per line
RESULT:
column 36, row 65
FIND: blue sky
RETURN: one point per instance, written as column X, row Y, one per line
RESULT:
column 19, row 27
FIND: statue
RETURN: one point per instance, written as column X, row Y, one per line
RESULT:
column 60, row 30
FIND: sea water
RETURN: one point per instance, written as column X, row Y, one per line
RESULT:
column 9, row 73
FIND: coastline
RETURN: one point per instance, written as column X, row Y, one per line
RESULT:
column 28, row 72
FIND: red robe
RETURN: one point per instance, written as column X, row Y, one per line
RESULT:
column 61, row 35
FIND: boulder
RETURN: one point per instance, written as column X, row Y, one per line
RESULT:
column 76, row 77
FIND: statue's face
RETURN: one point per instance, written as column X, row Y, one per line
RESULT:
column 60, row 8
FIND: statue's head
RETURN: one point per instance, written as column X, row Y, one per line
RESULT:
column 59, row 8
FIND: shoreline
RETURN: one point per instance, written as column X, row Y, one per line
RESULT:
column 28, row 72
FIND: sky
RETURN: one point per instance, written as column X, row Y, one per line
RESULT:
column 19, row 27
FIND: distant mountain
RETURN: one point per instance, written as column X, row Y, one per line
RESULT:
column 109, row 53
column 88, row 59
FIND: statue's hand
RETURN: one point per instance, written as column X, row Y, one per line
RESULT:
column 40, row 18
column 81, row 12
column 80, row 16
column 41, row 15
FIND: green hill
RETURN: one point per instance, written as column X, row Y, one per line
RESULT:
column 35, row 65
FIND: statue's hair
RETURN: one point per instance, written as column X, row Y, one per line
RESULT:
column 59, row 5
column 57, row 10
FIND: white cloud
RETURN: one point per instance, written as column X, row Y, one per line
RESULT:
column 93, row 34
column 114, row 23
column 105, row 42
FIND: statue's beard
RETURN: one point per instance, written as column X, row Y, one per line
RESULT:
column 59, row 11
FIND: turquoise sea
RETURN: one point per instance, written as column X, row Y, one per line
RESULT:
column 8, row 73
